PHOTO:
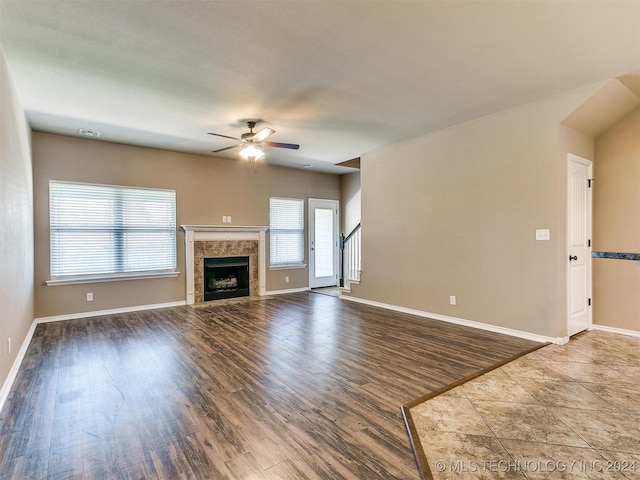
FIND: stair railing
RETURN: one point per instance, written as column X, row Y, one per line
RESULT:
column 351, row 257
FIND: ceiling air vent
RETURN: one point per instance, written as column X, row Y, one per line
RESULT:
column 89, row 133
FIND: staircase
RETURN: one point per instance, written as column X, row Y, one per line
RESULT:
column 350, row 253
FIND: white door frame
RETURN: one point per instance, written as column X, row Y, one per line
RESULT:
column 335, row 206
column 569, row 252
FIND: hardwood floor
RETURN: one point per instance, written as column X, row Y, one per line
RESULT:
column 298, row 386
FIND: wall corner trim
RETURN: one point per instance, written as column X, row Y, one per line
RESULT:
column 460, row 321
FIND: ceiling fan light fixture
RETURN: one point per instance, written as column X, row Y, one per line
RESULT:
column 253, row 143
column 251, row 151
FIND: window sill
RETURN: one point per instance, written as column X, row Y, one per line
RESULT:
column 288, row 266
column 108, row 278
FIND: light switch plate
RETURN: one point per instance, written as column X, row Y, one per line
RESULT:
column 543, row 234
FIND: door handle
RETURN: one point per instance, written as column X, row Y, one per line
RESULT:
column 574, row 257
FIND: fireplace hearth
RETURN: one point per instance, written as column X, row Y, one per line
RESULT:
column 226, row 277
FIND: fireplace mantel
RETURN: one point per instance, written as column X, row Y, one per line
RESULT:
column 212, row 233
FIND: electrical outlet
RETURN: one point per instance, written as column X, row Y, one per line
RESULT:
column 452, row 300
column 286, row 279
column 543, row 234
column 228, row 218
column 224, row 219
column 90, row 297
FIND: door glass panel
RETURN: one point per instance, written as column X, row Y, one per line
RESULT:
column 323, row 242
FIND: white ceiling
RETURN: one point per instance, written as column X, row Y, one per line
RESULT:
column 340, row 78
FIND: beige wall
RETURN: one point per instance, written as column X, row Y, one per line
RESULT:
column 616, row 221
column 350, row 198
column 206, row 189
column 455, row 213
column 16, row 223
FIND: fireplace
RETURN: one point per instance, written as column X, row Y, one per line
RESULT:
column 216, row 241
column 226, row 277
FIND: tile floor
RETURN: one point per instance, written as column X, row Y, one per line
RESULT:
column 331, row 291
column 570, row 411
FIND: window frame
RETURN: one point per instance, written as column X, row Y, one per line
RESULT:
column 283, row 265
column 115, row 227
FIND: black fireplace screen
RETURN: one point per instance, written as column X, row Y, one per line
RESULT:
column 226, row 277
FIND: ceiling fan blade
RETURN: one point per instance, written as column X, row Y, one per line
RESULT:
column 291, row 146
column 225, row 148
column 263, row 134
column 223, row 136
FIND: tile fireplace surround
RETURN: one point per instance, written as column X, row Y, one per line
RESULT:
column 223, row 241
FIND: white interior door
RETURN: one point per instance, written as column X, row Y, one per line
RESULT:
column 323, row 243
column 579, row 245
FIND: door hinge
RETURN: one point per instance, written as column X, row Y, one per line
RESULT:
column 589, row 243
column 589, row 180
column 589, row 302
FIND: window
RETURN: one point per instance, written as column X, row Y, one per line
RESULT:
column 104, row 230
column 286, row 232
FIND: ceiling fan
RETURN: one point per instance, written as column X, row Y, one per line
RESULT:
column 253, row 142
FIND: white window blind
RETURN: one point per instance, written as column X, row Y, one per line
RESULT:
column 286, row 231
column 104, row 229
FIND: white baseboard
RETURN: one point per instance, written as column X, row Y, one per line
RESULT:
column 290, row 290
column 98, row 313
column 13, row 372
column 461, row 321
column 620, row 331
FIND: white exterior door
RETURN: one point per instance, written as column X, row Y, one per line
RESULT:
column 323, row 243
column 579, row 245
